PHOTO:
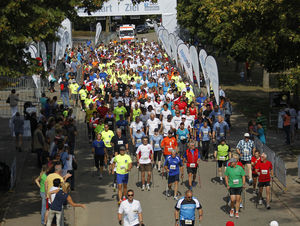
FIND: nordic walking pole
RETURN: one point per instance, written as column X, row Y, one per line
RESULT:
column 244, row 198
column 152, row 178
column 271, row 188
column 199, row 177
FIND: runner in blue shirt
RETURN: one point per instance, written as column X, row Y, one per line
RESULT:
column 182, row 136
column 137, row 138
column 205, row 135
column 172, row 165
column 185, row 210
column 99, row 154
column 155, row 141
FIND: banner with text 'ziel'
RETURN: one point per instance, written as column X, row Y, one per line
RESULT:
column 195, row 63
column 212, row 71
column 202, row 58
column 185, row 59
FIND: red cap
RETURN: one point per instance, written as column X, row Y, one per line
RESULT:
column 229, row 223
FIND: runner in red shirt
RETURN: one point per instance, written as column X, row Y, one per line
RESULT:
column 264, row 169
column 254, row 160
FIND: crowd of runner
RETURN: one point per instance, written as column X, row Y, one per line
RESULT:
column 140, row 111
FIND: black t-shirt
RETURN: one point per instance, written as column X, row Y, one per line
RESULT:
column 119, row 142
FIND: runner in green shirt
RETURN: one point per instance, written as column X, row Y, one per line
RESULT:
column 235, row 181
column 119, row 110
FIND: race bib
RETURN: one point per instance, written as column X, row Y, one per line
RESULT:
column 264, row 172
column 139, row 141
column 156, row 145
column 222, row 158
column 120, row 142
column 205, row 132
column 192, row 165
column 222, row 134
column 122, row 167
column 246, row 151
column 145, row 158
column 236, row 181
column 107, row 142
column 188, row 222
column 109, row 123
column 127, row 104
column 172, row 167
column 182, row 137
column 170, row 149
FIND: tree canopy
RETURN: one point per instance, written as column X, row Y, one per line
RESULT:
column 24, row 21
column 264, row 31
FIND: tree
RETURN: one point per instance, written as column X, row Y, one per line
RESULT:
column 265, row 31
column 24, row 21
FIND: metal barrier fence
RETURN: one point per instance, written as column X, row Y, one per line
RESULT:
column 26, row 88
column 298, row 166
column 277, row 162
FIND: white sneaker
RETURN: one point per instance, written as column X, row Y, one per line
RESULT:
column 175, row 198
column 241, row 205
column 260, row 202
column 143, row 187
column 148, row 187
column 100, row 176
column 155, row 167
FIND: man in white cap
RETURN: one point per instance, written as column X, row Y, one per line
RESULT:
column 274, row 223
column 246, row 148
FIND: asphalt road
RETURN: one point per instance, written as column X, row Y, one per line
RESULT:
column 158, row 210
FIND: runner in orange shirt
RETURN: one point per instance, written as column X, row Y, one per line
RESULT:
column 169, row 143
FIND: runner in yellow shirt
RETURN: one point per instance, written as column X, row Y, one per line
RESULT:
column 107, row 135
column 74, row 93
column 124, row 165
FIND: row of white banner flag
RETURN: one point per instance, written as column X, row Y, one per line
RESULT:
column 188, row 59
column 64, row 34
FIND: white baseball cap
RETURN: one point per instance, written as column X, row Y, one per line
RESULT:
column 246, row 135
column 274, row 223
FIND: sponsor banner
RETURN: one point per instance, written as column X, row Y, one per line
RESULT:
column 127, row 8
column 43, row 51
column 212, row 71
column 173, row 47
column 185, row 59
column 195, row 63
column 64, row 34
column 165, row 41
column 202, row 58
column 98, row 32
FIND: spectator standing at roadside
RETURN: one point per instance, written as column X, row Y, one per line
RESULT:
column 18, row 122
column 13, row 100
column 64, row 91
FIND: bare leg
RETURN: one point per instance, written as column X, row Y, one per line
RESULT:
column 120, row 191
column 149, row 177
column 237, row 203
column 143, row 177
column 176, row 188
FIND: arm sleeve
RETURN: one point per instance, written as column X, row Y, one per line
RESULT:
column 139, row 208
column 198, row 205
column 121, row 209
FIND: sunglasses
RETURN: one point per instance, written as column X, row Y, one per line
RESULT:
column 130, row 195
column 189, row 197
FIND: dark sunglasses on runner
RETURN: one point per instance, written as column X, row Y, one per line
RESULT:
column 130, row 195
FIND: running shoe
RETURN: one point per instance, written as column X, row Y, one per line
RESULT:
column 250, row 182
column 100, row 176
column 191, row 188
column 260, row 202
column 168, row 193
column 268, row 207
column 193, row 183
column 175, row 198
column 231, row 213
column 241, row 205
column 143, row 187
column 148, row 187
column 236, row 215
